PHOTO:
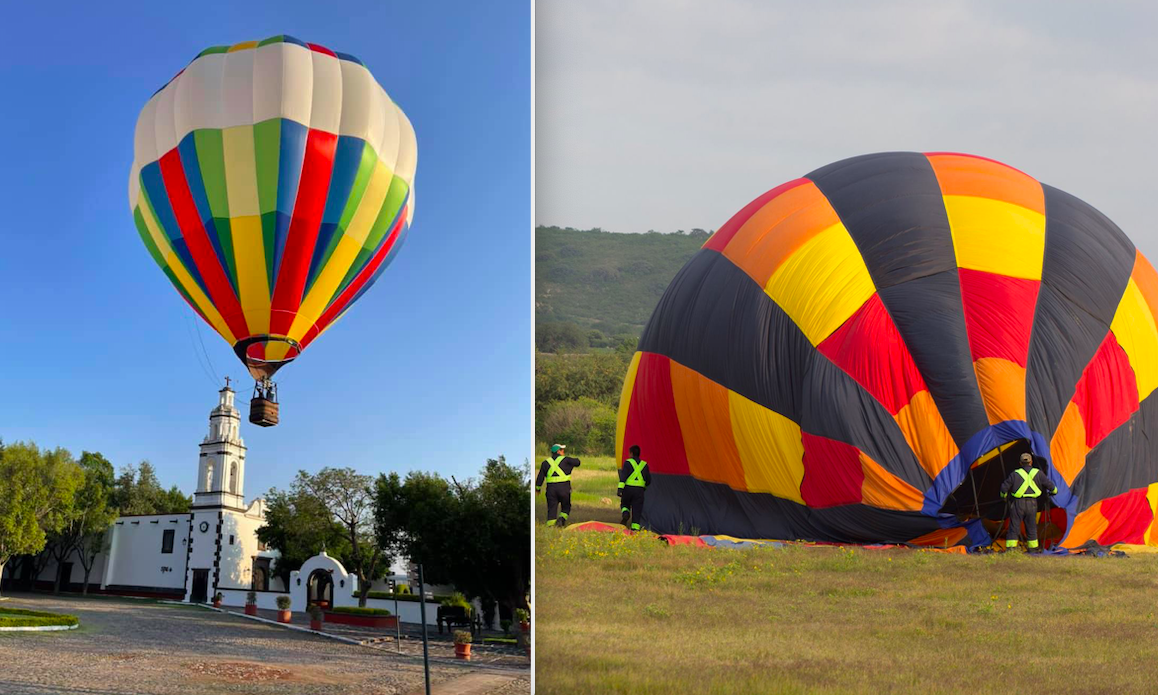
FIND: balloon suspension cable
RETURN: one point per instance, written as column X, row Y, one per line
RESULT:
column 1005, row 509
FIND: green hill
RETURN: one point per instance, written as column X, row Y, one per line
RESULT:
column 606, row 281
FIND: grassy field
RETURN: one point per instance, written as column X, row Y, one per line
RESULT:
column 617, row 613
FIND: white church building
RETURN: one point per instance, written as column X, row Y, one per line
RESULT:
column 187, row 556
column 213, row 547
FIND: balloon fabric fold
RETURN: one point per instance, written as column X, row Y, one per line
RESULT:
column 861, row 355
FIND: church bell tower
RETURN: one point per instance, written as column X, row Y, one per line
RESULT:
column 221, row 469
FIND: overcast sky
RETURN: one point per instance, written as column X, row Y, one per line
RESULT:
column 673, row 114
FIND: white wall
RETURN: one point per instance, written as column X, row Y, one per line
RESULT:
column 48, row 574
column 237, row 558
column 408, row 611
column 265, row 599
column 135, row 557
column 345, row 584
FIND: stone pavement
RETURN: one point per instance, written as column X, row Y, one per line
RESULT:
column 441, row 646
column 127, row 647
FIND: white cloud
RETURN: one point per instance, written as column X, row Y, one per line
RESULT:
column 661, row 114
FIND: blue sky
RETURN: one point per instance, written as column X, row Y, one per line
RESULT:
column 430, row 370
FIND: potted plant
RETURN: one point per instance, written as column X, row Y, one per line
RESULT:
column 524, row 623
column 454, row 611
column 283, row 609
column 506, row 625
column 251, row 603
column 462, row 640
column 315, row 612
column 217, row 599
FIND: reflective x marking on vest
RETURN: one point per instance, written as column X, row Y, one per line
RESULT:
column 555, row 474
column 636, row 477
column 1026, row 483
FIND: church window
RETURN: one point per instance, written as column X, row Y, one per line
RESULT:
column 233, row 478
column 231, row 539
column 167, row 541
column 209, row 475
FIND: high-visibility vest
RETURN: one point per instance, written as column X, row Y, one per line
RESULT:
column 554, row 473
column 635, row 479
column 1028, row 487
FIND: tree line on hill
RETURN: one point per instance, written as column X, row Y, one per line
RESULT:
column 474, row 534
column 606, row 281
column 53, row 505
column 594, row 292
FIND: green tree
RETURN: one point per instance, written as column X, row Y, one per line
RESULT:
column 560, row 337
column 87, row 527
column 298, row 526
column 585, row 425
column 475, row 536
column 137, row 491
column 37, row 489
column 349, row 498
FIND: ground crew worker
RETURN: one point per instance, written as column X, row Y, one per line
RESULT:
column 634, row 477
column 556, row 472
column 1025, row 484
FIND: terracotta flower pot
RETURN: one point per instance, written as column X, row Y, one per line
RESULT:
column 283, row 616
column 462, row 651
column 217, row 603
column 251, row 609
column 315, row 624
column 526, row 626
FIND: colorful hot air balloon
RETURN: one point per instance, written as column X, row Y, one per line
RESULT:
column 272, row 181
column 861, row 354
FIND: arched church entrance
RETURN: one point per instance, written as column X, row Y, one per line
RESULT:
column 320, row 588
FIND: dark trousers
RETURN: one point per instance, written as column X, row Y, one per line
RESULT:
column 558, row 495
column 1024, row 509
column 631, row 504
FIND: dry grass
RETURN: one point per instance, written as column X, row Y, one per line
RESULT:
column 616, row 613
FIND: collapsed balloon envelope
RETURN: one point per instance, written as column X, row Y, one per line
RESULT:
column 857, row 347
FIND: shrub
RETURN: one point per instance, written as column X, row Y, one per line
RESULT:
column 522, row 615
column 218, row 596
column 506, row 625
column 462, row 637
column 587, row 425
column 402, row 596
column 457, row 599
column 500, row 640
column 20, row 617
column 315, row 611
column 403, row 589
column 284, row 602
column 250, row 597
column 354, row 610
column 560, row 337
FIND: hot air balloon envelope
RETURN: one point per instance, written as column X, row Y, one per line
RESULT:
column 272, row 182
column 862, row 353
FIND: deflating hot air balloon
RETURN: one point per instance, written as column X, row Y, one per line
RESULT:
column 272, row 181
column 861, row 355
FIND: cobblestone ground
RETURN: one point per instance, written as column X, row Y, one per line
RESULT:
column 127, row 647
column 441, row 645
